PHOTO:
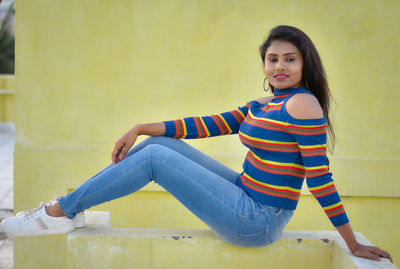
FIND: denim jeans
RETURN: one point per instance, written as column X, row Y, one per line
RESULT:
column 203, row 185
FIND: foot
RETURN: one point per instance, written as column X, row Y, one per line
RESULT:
column 53, row 209
column 36, row 222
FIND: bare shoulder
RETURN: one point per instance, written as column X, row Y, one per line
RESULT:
column 264, row 100
column 304, row 106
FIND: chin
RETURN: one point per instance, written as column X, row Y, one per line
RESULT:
column 285, row 86
column 281, row 87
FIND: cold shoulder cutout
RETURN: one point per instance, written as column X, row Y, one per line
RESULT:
column 304, row 106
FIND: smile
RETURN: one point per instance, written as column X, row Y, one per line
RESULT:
column 281, row 77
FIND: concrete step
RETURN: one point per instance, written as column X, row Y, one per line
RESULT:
column 97, row 220
column 101, row 246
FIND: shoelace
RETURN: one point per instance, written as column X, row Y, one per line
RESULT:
column 32, row 211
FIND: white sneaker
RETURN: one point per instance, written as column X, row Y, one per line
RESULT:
column 79, row 219
column 36, row 222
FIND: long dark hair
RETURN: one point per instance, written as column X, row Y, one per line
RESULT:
column 313, row 73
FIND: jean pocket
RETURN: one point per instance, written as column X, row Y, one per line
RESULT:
column 276, row 211
column 249, row 209
column 258, row 239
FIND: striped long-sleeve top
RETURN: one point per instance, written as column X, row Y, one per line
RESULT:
column 282, row 152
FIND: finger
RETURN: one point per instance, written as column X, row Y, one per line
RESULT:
column 116, row 152
column 382, row 253
column 371, row 256
column 390, row 258
column 117, row 157
column 114, row 155
column 377, row 251
column 123, row 153
column 125, row 149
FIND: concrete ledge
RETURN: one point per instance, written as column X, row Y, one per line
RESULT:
column 7, row 127
column 97, row 220
column 340, row 252
column 169, row 248
column 4, row 92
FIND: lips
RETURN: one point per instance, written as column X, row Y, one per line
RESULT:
column 280, row 77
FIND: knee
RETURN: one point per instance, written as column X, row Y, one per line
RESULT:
column 161, row 140
column 156, row 150
column 152, row 140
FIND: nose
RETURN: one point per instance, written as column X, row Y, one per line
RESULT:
column 280, row 65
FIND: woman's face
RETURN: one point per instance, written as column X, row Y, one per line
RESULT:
column 283, row 65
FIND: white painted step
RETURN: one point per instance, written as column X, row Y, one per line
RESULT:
column 105, row 247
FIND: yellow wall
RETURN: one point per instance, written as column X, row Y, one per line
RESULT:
column 89, row 70
column 7, row 103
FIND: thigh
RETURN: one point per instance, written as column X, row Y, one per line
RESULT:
column 186, row 150
column 223, row 206
column 191, row 153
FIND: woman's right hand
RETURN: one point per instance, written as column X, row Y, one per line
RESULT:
column 123, row 145
column 125, row 142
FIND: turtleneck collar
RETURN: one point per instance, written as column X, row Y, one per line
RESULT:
column 278, row 92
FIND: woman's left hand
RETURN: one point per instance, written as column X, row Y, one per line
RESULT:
column 370, row 252
column 357, row 249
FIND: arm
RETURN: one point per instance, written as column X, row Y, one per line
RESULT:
column 193, row 127
column 357, row 249
column 304, row 108
column 207, row 126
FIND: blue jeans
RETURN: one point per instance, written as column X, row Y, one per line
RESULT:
column 203, row 185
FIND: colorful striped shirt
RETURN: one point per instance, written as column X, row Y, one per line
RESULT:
column 282, row 152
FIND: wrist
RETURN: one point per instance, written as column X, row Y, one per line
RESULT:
column 137, row 130
column 353, row 246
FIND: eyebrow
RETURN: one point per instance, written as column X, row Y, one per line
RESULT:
column 289, row 53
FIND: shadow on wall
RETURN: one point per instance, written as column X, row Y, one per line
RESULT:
column 7, row 36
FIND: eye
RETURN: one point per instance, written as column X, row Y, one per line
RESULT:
column 272, row 60
column 291, row 59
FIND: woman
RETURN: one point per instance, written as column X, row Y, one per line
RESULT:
column 286, row 138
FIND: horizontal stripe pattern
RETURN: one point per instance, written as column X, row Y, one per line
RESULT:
column 282, row 126
column 282, row 152
column 317, row 171
column 313, row 150
column 334, row 210
column 272, row 107
column 268, row 144
column 276, row 167
column 273, row 190
column 307, row 130
column 264, row 123
column 279, row 96
column 323, row 190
